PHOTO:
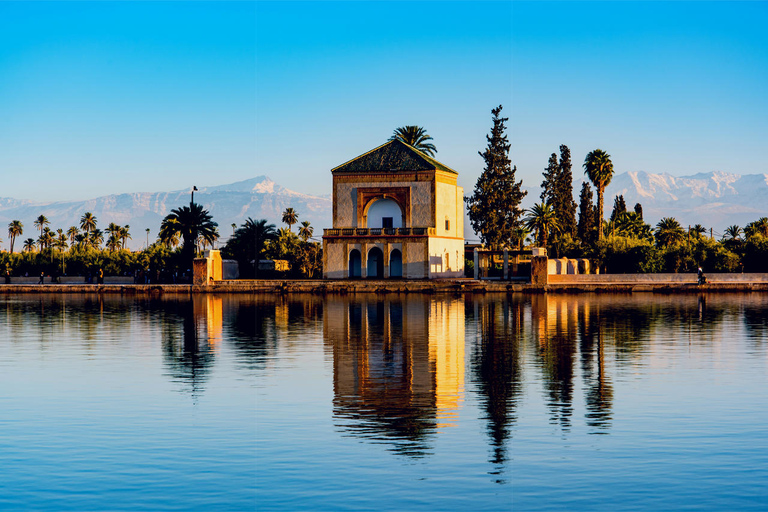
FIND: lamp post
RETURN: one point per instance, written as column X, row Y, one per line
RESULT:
column 192, row 201
column 147, row 238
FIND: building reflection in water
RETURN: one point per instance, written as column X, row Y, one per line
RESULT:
column 398, row 367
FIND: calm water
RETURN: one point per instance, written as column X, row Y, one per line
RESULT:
column 400, row 403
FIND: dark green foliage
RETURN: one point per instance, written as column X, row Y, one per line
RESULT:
column 247, row 245
column 619, row 207
column 557, row 190
column 599, row 168
column 628, row 255
column 550, row 178
column 586, row 227
column 494, row 207
column 564, row 205
column 415, row 136
column 194, row 224
column 756, row 253
column 639, row 210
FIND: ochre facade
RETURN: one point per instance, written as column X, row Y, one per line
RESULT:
column 396, row 214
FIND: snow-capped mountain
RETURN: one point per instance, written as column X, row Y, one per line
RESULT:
column 258, row 198
column 715, row 199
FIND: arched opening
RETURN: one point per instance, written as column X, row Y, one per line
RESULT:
column 355, row 263
column 375, row 264
column 395, row 263
column 384, row 213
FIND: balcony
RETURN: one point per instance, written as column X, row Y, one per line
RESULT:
column 379, row 232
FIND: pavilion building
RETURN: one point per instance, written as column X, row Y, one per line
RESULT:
column 397, row 213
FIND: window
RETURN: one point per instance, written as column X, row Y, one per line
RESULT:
column 386, row 222
column 447, row 225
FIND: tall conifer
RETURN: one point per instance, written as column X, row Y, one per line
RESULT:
column 586, row 227
column 565, row 206
column 494, row 207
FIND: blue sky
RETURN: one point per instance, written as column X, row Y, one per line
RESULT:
column 108, row 97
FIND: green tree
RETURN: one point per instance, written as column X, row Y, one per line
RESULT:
column 542, row 220
column 619, row 207
column 248, row 242
column 40, row 223
column 72, row 232
column 192, row 223
column 415, row 136
column 305, row 231
column 564, row 205
column 557, row 190
column 494, row 206
column 697, row 231
column 290, row 217
column 587, row 214
column 599, row 169
column 124, row 234
column 669, row 232
column 29, row 244
column 15, row 229
column 87, row 222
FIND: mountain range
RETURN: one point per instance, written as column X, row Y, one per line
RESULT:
column 258, row 198
column 715, row 199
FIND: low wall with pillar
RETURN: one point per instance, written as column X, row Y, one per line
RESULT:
column 208, row 269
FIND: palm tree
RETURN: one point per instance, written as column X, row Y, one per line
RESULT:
column 124, row 234
column 290, row 217
column 542, row 220
column 60, row 242
column 46, row 238
column 668, row 232
column 696, row 231
column 169, row 233
column 415, row 136
column 305, row 231
column 112, row 230
column 732, row 233
column 113, row 242
column 192, row 223
column 15, row 228
column 95, row 238
column 29, row 244
column 249, row 241
column 758, row 227
column 88, row 222
column 72, row 232
column 599, row 169
column 40, row 223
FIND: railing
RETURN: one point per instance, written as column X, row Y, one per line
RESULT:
column 379, row 231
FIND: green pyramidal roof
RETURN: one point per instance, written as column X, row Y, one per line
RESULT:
column 394, row 156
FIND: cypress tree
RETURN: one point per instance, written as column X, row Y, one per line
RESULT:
column 494, row 207
column 639, row 210
column 565, row 206
column 619, row 207
column 549, row 185
column 586, row 227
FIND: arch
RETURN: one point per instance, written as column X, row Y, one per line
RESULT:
column 395, row 263
column 355, row 264
column 375, row 268
column 384, row 208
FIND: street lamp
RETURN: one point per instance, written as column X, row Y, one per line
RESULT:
column 147, row 238
column 192, row 201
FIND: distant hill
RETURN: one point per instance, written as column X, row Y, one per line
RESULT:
column 715, row 199
column 259, row 198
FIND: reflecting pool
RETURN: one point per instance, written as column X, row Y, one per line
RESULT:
column 408, row 402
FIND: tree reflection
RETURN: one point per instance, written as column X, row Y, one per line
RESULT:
column 188, row 357
column 496, row 368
